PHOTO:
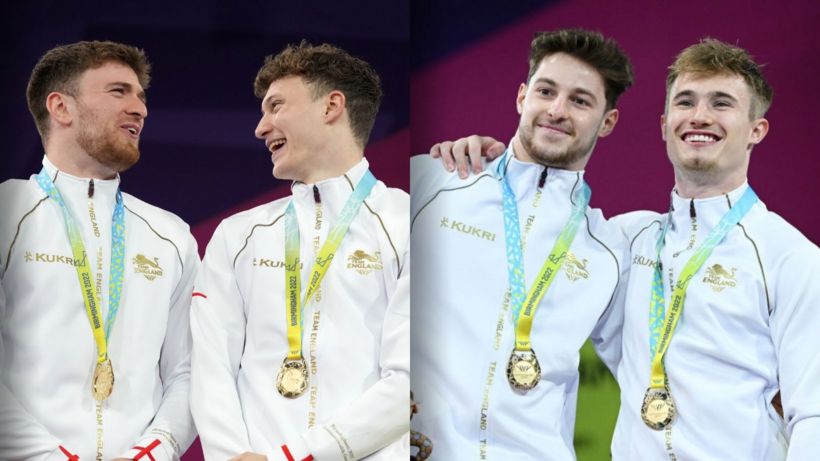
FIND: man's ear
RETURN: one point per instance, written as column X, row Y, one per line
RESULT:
column 60, row 107
column 519, row 100
column 335, row 103
column 609, row 122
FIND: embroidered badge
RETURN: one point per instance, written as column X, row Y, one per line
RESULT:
column 719, row 278
column 574, row 268
column 365, row 263
column 147, row 267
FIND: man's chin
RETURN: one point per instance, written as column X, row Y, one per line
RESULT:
column 120, row 160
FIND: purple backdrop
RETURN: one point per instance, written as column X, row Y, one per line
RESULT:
column 469, row 86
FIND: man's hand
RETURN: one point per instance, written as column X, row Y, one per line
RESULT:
column 455, row 154
column 248, row 456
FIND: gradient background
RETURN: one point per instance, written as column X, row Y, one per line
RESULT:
column 462, row 69
column 469, row 57
column 200, row 158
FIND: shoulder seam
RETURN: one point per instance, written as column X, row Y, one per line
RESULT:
column 250, row 234
column 617, row 264
column 17, row 233
column 632, row 242
column 413, row 221
column 760, row 264
column 179, row 255
column 399, row 264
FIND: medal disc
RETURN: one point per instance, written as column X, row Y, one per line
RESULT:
column 292, row 379
column 103, row 382
column 523, row 370
column 658, row 409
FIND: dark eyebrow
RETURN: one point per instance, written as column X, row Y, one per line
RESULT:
column 551, row 82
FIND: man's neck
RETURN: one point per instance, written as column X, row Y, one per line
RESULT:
column 697, row 185
column 78, row 163
column 341, row 165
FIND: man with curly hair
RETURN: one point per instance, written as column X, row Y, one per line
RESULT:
column 301, row 319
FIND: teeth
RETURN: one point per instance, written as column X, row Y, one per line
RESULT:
column 132, row 130
column 277, row 144
column 700, row 138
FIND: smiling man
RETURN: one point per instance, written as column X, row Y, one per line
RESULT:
column 719, row 339
column 96, row 284
column 301, row 330
column 731, row 288
column 513, row 271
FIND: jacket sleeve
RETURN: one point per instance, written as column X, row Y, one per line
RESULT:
column 607, row 336
column 794, row 325
column 21, row 436
column 381, row 415
column 172, row 430
column 218, row 329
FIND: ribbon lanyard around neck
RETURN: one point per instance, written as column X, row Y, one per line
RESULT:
column 662, row 324
column 320, row 265
column 515, row 268
column 102, row 331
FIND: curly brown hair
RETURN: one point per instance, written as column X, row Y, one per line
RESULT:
column 61, row 67
column 600, row 52
column 326, row 68
column 711, row 57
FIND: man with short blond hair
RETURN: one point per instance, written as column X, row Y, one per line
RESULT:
column 733, row 288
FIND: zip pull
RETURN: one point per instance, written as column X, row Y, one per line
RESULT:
column 692, row 213
column 543, row 179
column 316, row 197
column 91, row 188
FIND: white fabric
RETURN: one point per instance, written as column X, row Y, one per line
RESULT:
column 361, row 347
column 459, row 327
column 745, row 332
column 48, row 352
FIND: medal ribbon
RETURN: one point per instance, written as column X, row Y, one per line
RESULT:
column 320, row 265
column 661, row 331
column 515, row 267
column 102, row 331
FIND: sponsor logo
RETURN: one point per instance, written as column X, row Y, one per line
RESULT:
column 365, row 263
column 275, row 263
column 719, row 278
column 639, row 260
column 467, row 229
column 36, row 257
column 148, row 267
column 575, row 268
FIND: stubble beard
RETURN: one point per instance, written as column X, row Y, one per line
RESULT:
column 546, row 155
column 105, row 146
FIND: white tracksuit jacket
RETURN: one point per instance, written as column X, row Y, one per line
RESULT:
column 47, row 352
column 355, row 336
column 462, row 329
column 750, row 327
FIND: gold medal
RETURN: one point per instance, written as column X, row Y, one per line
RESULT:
column 292, row 379
column 658, row 410
column 103, row 382
column 523, row 370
